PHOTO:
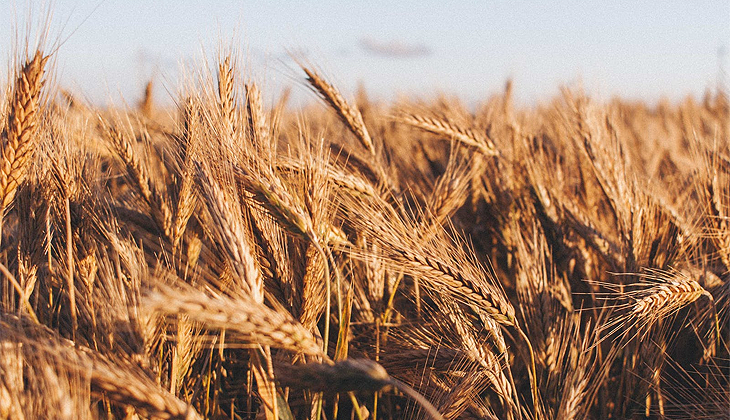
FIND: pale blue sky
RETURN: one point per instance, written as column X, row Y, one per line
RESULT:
column 639, row 49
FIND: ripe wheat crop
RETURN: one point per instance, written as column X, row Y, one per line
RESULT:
column 411, row 260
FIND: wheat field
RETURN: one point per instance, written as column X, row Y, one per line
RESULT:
column 230, row 258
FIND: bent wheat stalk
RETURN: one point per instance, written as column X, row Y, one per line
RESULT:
column 362, row 375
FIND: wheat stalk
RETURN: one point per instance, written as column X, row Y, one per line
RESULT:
column 348, row 375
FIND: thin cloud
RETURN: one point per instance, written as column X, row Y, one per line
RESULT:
column 394, row 48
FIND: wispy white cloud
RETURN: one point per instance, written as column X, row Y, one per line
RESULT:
column 394, row 48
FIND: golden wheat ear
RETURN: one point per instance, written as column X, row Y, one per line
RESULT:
column 658, row 294
column 111, row 377
column 350, row 116
column 227, row 95
column 19, row 137
column 246, row 320
column 450, row 130
column 146, row 105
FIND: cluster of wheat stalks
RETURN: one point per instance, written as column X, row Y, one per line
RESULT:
column 231, row 259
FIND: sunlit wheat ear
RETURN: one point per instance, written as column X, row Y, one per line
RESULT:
column 349, row 115
column 643, row 304
column 116, row 383
column 443, row 268
column 258, row 125
column 449, row 130
column 449, row 193
column 444, row 276
column 227, row 95
column 351, row 183
column 19, row 137
column 231, row 233
column 188, row 143
column 271, row 193
column 186, row 203
column 473, row 346
column 247, row 321
column 120, row 381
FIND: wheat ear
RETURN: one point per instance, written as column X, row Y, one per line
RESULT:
column 253, row 322
column 19, row 136
column 643, row 304
column 145, row 105
column 257, row 121
column 350, row 116
column 118, row 380
column 155, row 200
column 445, row 128
column 227, row 96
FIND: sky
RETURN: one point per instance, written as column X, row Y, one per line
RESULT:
column 635, row 49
